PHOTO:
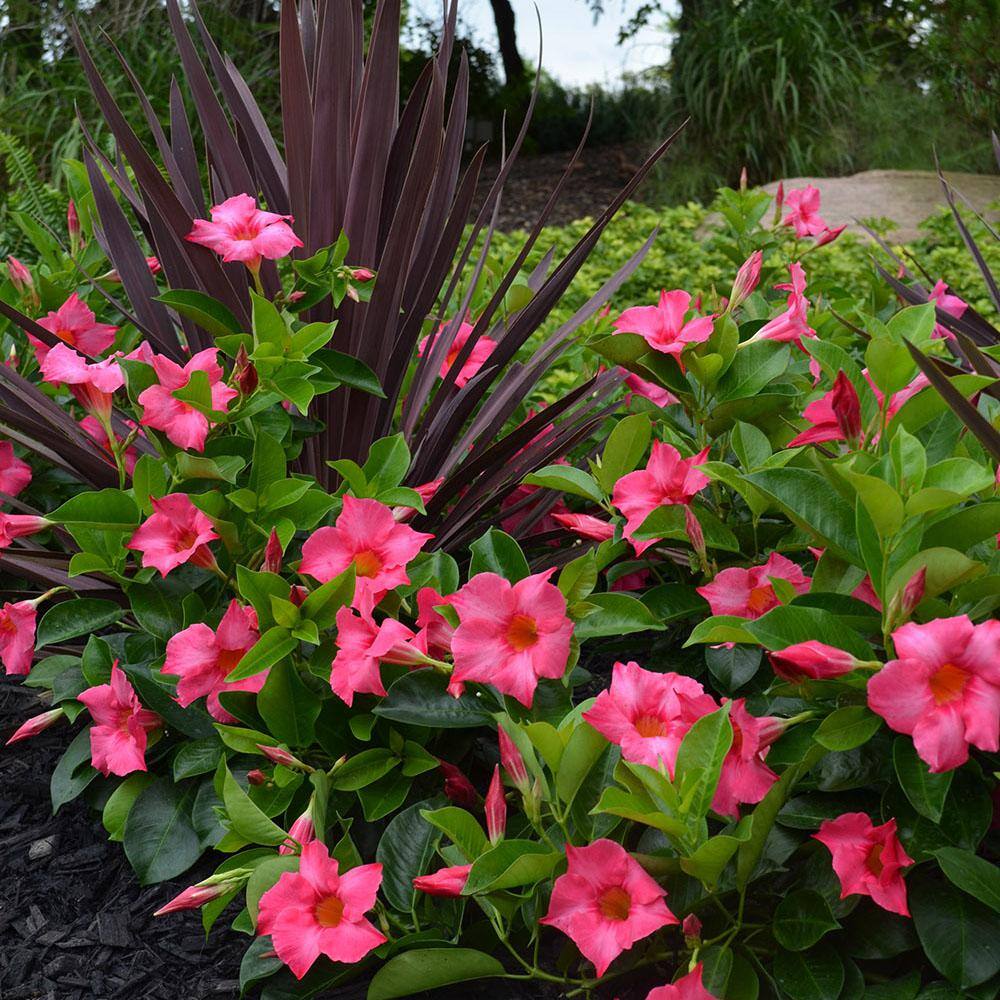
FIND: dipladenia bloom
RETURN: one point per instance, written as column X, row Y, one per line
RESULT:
column 943, row 689
column 749, row 593
column 587, row 526
column 96, row 430
column 803, row 211
column 496, row 808
column 435, row 631
column 369, row 537
column 240, row 231
column 175, row 533
column 793, row 324
column 510, row 635
column 812, row 660
column 647, row 714
column 606, row 902
column 15, row 473
column 183, row 424
column 447, row 882
column 319, row 911
column 667, row 479
column 17, row 636
column 689, row 987
column 118, row 736
column 663, row 326
column 649, row 390
column 93, row 385
column 947, row 303
column 867, row 859
column 745, row 777
column 20, row 526
column 75, row 324
column 836, row 416
column 35, row 725
column 478, row 356
column 201, row 658
column 362, row 645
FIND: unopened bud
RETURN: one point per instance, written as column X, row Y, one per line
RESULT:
column 362, row 274
column 743, row 179
column 256, row 776
column 691, row 928
column 20, row 276
column 829, row 235
column 297, row 595
column 279, row 755
column 696, row 536
column 193, row 897
column 747, row 278
column 496, row 808
column 273, row 553
column 913, row 592
column 37, row 724
column 457, row 786
column 303, row 831
column 512, row 760
column 244, row 373
column 847, row 407
column 73, row 224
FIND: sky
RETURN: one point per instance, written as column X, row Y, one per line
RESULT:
column 577, row 51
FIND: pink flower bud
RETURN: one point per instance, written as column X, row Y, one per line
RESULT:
column 913, row 592
column 154, row 265
column 694, row 532
column 256, row 776
column 747, row 278
column 362, row 274
column 36, row 725
column 444, row 882
column 20, row 276
column 743, row 179
column 297, row 595
column 829, row 235
column 281, row 756
column 779, row 196
column 303, row 831
column 294, row 297
column 72, row 222
column 513, row 762
column 457, row 786
column 191, row 898
column 244, row 373
column 846, row 407
column 812, row 660
column 272, row 554
column 496, row 808
column 691, row 927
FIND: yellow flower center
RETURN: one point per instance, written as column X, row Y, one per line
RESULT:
column 614, row 903
column 367, row 564
column 650, row 725
column 329, row 911
column 947, row 683
column 522, row 632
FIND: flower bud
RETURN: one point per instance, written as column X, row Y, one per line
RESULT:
column 496, row 808
column 36, row 725
column 691, row 928
column 829, row 235
column 73, row 224
column 362, row 274
column 743, row 179
column 297, row 594
column 847, row 408
column 256, row 776
column 513, row 762
column 448, row 882
column 913, row 592
column 281, row 756
column 696, row 536
column 272, row 554
column 191, row 898
column 457, row 786
column 20, row 276
column 812, row 660
column 244, row 373
column 747, row 279
column 303, row 831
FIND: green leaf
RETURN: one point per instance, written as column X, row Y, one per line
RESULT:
column 497, row 552
column 107, row 510
column 617, row 614
column 626, row 445
column 82, row 616
column 972, row 874
column 197, row 757
column 801, row 919
column 755, row 366
column 120, row 803
column 669, row 522
column 926, row 792
column 265, row 876
column 388, row 461
column 699, row 761
column 160, row 841
column 671, row 601
column 246, row 818
column 363, row 768
column 709, row 861
column 428, row 968
column 210, row 315
column 788, row 624
column 810, row 975
column 847, row 728
column 512, row 863
column 420, row 698
column 964, row 528
column 272, row 647
column 268, row 463
column 348, row 371
column 461, row 827
column 405, row 850
column 157, row 607
column 288, row 707
column 582, row 752
column 73, row 772
column 566, row 479
column 322, row 605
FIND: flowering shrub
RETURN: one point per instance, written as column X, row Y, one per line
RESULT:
column 722, row 719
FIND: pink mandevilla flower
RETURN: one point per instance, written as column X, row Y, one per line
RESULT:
column 745, row 777
column 93, row 385
column 434, row 637
column 183, row 424
column 319, row 911
column 118, row 736
column 175, row 533
column 15, row 473
column 689, row 987
column 20, row 526
column 749, row 593
column 667, row 479
column 947, row 303
column 478, row 356
column 448, row 882
column 867, row 859
column 650, row 390
column 202, row 658
column 75, row 324
column 663, row 326
column 367, row 536
column 943, row 689
column 793, row 324
column 586, row 526
column 803, row 211
column 510, row 635
column 606, row 902
column 17, row 636
column 836, row 416
column 647, row 714
column 240, row 231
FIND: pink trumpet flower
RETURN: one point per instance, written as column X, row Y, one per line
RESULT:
column 17, row 636
column 20, row 526
column 803, row 211
column 175, row 533
column 478, row 356
column 663, row 326
column 192, row 898
column 812, row 660
column 747, row 279
column 75, row 324
column 947, row 303
column 689, row 987
column 93, row 385
column 749, row 593
column 792, row 325
column 240, row 231
column 586, row 526
column 15, row 473
column 650, row 390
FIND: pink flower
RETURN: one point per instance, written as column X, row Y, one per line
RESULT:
column 362, row 646
column 650, row 390
column 745, row 777
column 317, row 911
column 20, row 525
column 793, row 324
column 667, row 479
column 367, row 535
column 864, row 591
column 447, row 882
column 201, row 659
column 175, row 533
column 829, row 235
column 867, row 859
column 663, row 327
column 93, row 385
column 950, row 304
column 93, row 428
column 834, row 417
column 747, row 279
column 183, row 424
column 749, row 593
column 496, row 808
column 17, row 636
column 479, row 355
column 812, row 660
column 74, row 323
column 15, row 473
column 636, row 580
column 118, row 735
column 240, row 231
column 691, row 927
column 303, row 831
column 35, row 725
column 586, row 526
column 943, row 689
column 20, row 276
column 606, row 902
column 897, row 399
column 647, row 714
column 803, row 211
column 434, row 637
column 510, row 635
column 689, row 987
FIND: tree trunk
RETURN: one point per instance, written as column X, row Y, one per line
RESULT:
column 513, row 64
